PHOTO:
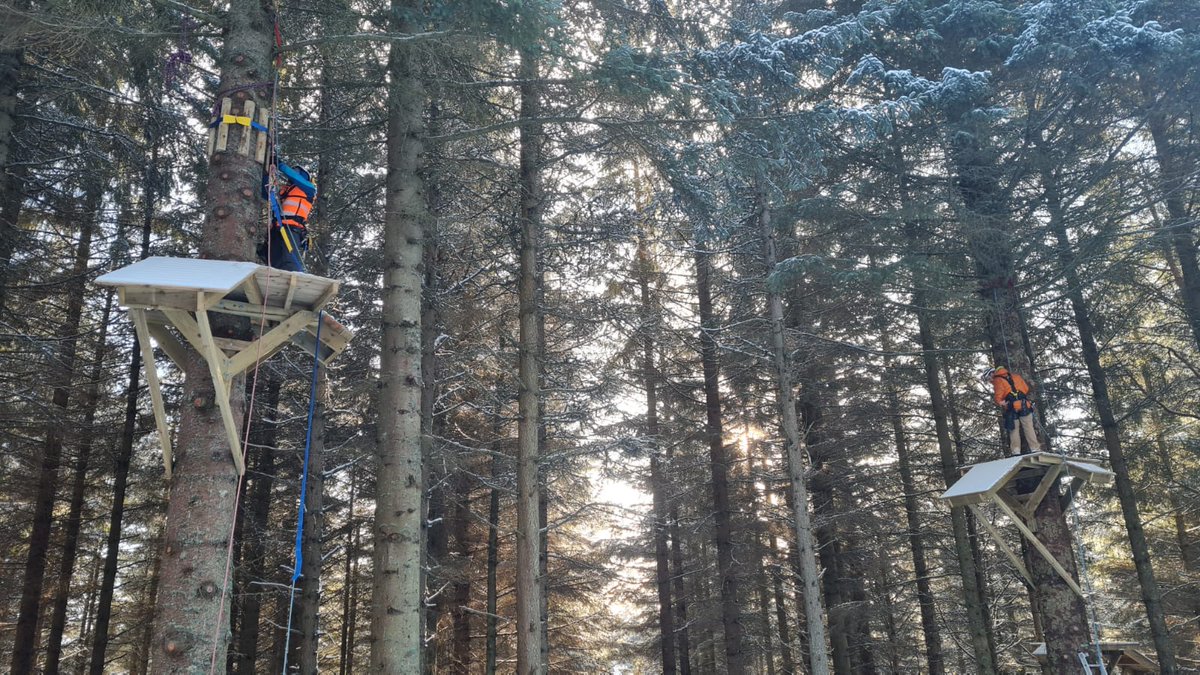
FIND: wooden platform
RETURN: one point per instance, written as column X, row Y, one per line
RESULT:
column 170, row 299
column 995, row 482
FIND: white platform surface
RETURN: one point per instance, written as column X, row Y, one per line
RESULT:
column 986, row 476
column 187, row 274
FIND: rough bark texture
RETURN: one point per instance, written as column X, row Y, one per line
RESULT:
column 728, row 568
column 66, row 564
column 61, row 371
column 810, row 575
column 658, row 484
column 396, row 589
column 1151, row 596
column 681, row 605
column 191, row 628
column 493, row 563
column 255, row 525
column 529, row 589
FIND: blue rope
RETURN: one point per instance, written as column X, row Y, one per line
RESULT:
column 299, row 551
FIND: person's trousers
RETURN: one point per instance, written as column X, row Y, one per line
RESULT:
column 1023, row 425
column 285, row 255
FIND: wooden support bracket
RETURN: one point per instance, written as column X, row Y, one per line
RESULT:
column 171, row 346
column 1037, row 543
column 216, row 366
column 1004, row 547
column 160, row 413
column 266, row 346
column 1035, row 498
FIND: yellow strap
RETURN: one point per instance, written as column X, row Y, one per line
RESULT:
column 236, row 119
column 286, row 240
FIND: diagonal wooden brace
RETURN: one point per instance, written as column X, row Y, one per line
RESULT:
column 216, row 366
column 160, row 413
column 1037, row 543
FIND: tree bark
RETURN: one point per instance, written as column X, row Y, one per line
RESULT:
column 61, row 370
column 1126, row 495
column 728, row 568
column 810, row 575
column 66, row 567
column 263, row 437
column 658, row 486
column 11, row 183
column 529, row 588
column 396, row 589
column 781, row 614
column 191, row 630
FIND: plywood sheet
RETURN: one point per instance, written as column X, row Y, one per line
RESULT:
column 190, row 274
column 983, row 478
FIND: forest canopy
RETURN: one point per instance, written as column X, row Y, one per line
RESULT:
column 671, row 324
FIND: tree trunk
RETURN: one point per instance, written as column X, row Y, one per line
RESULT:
column 396, row 589
column 61, row 370
column 263, row 436
column 658, row 485
column 191, row 630
column 346, row 649
column 141, row 659
column 1151, row 596
column 436, row 542
column 66, row 568
column 124, row 454
column 916, row 542
column 728, row 568
column 460, row 592
column 987, row 230
column 678, row 572
column 11, row 183
column 978, row 626
column 781, row 614
column 810, row 576
column 1172, row 182
column 493, row 563
column 529, row 600
column 308, row 600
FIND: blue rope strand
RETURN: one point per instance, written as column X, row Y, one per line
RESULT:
column 299, row 551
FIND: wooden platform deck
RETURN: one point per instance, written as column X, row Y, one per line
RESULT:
column 170, row 299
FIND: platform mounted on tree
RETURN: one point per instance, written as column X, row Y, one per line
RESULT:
column 180, row 293
column 996, row 482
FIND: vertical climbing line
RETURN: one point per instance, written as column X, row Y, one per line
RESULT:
column 298, row 553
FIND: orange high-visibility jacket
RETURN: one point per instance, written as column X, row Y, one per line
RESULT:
column 1011, row 391
column 294, row 206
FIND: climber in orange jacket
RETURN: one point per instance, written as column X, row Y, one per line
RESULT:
column 287, row 238
column 1011, row 392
